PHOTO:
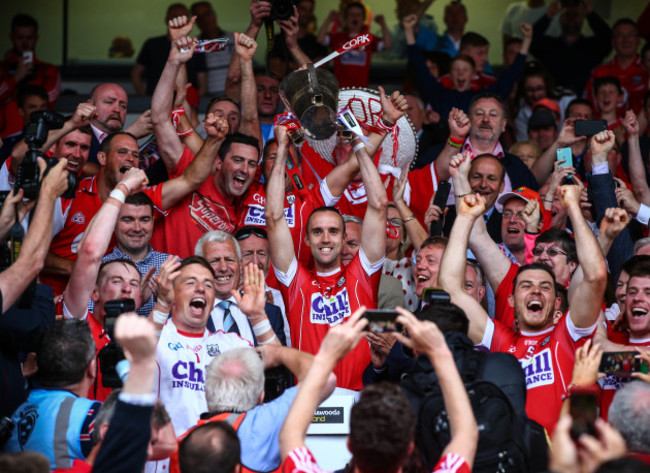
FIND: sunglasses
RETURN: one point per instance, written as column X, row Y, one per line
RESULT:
column 244, row 233
column 549, row 251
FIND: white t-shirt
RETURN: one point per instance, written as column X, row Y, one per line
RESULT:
column 182, row 359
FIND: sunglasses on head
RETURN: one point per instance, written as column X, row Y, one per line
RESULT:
column 244, row 233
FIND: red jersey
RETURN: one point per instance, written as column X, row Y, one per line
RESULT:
column 323, row 300
column 203, row 210
column 547, row 358
column 423, row 183
column 296, row 212
column 479, row 81
column 353, row 67
column 77, row 214
column 301, row 460
column 633, row 79
column 97, row 390
column 503, row 311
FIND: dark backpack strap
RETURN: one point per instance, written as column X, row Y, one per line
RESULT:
column 471, row 364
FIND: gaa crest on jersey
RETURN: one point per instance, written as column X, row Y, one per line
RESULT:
column 209, row 214
column 331, row 310
column 79, row 218
column 291, row 199
column 538, row 369
column 213, row 350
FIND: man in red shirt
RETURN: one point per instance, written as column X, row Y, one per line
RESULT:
column 119, row 153
column 352, row 69
column 103, row 282
column 625, row 66
column 327, row 295
column 545, row 350
column 213, row 205
column 20, row 65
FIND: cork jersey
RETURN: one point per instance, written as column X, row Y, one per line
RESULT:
column 320, row 301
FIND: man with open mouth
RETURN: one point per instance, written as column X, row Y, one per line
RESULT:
column 118, row 154
column 186, row 346
column 545, row 349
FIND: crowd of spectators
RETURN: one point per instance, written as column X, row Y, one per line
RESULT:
column 183, row 293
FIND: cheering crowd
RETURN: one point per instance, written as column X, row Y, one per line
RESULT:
column 182, row 294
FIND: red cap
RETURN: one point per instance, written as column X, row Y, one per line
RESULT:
column 547, row 103
column 523, row 193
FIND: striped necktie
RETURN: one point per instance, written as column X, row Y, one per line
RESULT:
column 229, row 324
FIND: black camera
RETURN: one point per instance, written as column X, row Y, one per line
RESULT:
column 435, row 295
column 280, row 9
column 112, row 354
column 35, row 136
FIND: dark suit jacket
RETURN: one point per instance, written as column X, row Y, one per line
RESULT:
column 274, row 314
column 94, row 149
column 493, row 224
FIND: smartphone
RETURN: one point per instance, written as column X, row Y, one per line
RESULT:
column 589, row 127
column 621, row 363
column 28, row 56
column 583, row 407
column 567, row 156
column 382, row 321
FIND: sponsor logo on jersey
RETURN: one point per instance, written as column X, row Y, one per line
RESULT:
column 189, row 375
column 79, row 218
column 538, row 369
column 255, row 216
column 329, row 311
column 209, row 214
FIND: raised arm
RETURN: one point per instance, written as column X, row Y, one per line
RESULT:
column 414, row 229
column 635, row 160
column 259, row 11
column 124, row 444
column 185, row 128
column 495, row 264
column 425, row 337
column 393, row 108
column 459, row 126
column 280, row 241
column 589, row 280
column 95, row 242
column 374, row 222
column 199, row 169
column 385, row 32
column 169, row 144
column 338, row 342
column 15, row 279
column 454, row 260
column 543, row 166
column 250, row 123
column 324, row 29
column 83, row 114
column 290, row 28
column 252, row 304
